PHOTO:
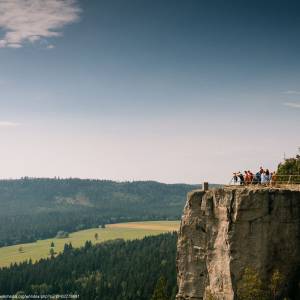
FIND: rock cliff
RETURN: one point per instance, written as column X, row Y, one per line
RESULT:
column 224, row 231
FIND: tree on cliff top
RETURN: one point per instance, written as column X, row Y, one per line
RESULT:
column 290, row 166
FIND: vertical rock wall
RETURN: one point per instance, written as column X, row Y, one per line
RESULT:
column 226, row 230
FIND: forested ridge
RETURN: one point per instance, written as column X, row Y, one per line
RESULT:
column 32, row 209
column 111, row 270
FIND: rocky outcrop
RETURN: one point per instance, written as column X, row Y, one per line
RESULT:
column 226, row 230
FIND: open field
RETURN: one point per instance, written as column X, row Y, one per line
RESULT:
column 153, row 225
column 126, row 231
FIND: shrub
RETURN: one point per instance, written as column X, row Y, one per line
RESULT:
column 251, row 287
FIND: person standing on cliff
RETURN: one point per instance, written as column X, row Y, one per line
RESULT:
column 250, row 176
column 247, row 177
column 241, row 177
column 273, row 178
column 258, row 177
column 235, row 179
column 264, row 178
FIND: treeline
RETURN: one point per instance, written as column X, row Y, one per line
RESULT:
column 32, row 209
column 113, row 270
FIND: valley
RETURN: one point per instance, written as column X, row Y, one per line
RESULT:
column 41, row 248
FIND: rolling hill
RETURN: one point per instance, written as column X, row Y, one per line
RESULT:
column 32, row 209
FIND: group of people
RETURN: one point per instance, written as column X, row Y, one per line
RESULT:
column 263, row 176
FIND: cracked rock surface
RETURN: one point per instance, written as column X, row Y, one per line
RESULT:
column 223, row 231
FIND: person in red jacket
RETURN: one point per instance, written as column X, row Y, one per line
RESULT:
column 251, row 176
column 247, row 177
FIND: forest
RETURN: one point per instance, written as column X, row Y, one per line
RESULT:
column 139, row 269
column 37, row 208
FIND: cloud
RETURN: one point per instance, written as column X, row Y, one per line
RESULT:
column 292, row 104
column 291, row 92
column 50, row 46
column 7, row 124
column 29, row 21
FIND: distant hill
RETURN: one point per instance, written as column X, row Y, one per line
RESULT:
column 32, row 209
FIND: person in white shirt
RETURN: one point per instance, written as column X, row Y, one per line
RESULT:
column 264, row 178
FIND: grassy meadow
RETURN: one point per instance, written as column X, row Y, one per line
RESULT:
column 126, row 231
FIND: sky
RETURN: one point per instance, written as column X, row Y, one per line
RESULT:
column 173, row 90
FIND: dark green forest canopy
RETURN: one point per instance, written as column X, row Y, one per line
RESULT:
column 32, row 209
column 112, row 270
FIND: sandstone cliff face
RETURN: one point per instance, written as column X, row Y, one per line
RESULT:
column 226, row 230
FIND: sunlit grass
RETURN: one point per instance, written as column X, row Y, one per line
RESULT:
column 126, row 231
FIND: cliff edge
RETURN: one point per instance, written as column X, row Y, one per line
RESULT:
column 224, row 231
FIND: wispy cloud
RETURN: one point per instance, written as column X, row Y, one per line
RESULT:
column 7, row 124
column 291, row 92
column 292, row 104
column 50, row 46
column 29, row 21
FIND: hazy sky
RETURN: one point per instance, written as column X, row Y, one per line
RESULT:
column 174, row 91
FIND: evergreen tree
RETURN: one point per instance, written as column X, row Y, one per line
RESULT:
column 52, row 252
column 160, row 292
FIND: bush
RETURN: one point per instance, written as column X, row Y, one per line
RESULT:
column 276, row 284
column 250, row 287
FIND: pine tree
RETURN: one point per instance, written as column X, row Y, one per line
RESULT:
column 160, row 291
column 52, row 252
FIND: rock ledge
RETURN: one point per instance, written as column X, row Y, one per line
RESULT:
column 224, row 231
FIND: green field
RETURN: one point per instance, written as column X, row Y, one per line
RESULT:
column 126, row 231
